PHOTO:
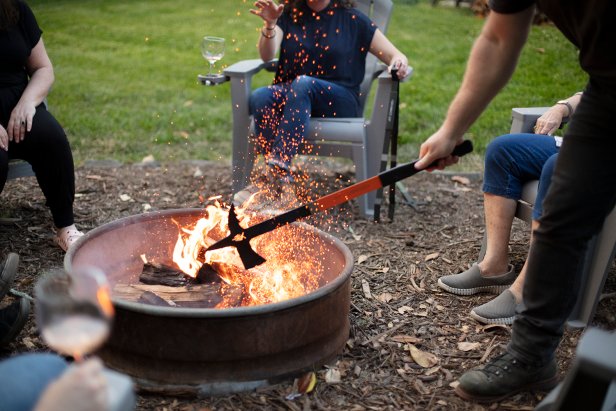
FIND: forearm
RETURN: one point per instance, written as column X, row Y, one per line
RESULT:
column 269, row 41
column 38, row 87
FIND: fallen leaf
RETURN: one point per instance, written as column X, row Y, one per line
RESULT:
column 468, row 346
column 461, row 180
column 198, row 173
column 306, row 383
column 366, row 289
column 454, row 384
column 125, row 197
column 430, row 257
column 385, row 297
column 146, row 207
column 148, row 159
column 361, row 259
column 332, row 376
column 404, row 309
column 423, row 358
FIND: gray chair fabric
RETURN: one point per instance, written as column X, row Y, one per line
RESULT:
column 19, row 168
column 359, row 139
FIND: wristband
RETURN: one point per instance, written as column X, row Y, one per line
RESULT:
column 566, row 103
column 266, row 36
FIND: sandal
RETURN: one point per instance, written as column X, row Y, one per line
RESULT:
column 67, row 236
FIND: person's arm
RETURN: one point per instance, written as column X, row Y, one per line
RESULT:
column 41, row 78
column 271, row 35
column 385, row 51
column 491, row 63
column 549, row 122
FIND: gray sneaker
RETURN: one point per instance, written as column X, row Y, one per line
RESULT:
column 503, row 377
column 500, row 310
column 472, row 282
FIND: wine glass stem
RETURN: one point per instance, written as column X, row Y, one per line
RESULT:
column 211, row 66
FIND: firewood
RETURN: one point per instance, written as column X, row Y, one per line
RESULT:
column 162, row 274
column 197, row 295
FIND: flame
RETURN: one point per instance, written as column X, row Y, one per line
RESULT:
column 291, row 269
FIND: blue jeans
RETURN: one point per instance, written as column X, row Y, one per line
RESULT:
column 282, row 113
column 581, row 194
column 514, row 159
column 23, row 379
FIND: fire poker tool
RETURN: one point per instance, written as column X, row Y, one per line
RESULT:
column 240, row 237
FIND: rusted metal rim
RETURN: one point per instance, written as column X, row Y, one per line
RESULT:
column 211, row 312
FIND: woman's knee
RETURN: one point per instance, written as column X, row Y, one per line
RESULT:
column 498, row 152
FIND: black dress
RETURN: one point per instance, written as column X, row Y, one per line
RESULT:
column 45, row 147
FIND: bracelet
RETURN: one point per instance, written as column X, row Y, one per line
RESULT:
column 266, row 36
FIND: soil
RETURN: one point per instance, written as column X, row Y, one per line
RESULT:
column 395, row 297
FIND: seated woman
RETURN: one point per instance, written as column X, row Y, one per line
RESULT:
column 27, row 130
column 511, row 160
column 323, row 46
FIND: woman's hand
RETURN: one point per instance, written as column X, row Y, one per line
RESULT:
column 400, row 62
column 20, row 121
column 4, row 139
column 268, row 11
column 549, row 122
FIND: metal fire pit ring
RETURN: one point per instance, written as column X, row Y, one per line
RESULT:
column 205, row 351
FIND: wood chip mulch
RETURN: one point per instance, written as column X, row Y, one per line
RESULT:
column 399, row 316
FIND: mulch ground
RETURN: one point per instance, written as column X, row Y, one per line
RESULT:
column 395, row 299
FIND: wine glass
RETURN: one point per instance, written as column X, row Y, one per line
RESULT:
column 74, row 311
column 212, row 49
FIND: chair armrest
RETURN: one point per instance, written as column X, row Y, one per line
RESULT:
column 248, row 68
column 523, row 119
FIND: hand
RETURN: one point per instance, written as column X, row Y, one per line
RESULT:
column 4, row 139
column 268, row 11
column 401, row 64
column 437, row 147
column 549, row 122
column 82, row 387
column 20, row 121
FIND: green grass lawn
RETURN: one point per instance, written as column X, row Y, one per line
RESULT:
column 126, row 73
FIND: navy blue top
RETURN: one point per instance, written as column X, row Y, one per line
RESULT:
column 16, row 44
column 331, row 44
column 588, row 24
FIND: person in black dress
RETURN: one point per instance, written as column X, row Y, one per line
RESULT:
column 27, row 130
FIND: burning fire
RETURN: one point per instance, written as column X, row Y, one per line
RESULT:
column 291, row 269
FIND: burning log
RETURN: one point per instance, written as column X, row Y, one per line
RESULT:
column 219, row 295
column 162, row 274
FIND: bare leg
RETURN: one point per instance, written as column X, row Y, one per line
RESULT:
column 518, row 284
column 499, row 214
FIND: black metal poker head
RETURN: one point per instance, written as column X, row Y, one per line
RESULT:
column 237, row 238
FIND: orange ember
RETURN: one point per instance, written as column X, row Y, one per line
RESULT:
column 290, row 270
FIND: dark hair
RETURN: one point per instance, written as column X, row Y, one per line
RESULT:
column 9, row 14
column 290, row 5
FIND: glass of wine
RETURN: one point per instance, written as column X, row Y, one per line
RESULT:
column 74, row 311
column 212, row 49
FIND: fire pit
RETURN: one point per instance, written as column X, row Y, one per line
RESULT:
column 207, row 351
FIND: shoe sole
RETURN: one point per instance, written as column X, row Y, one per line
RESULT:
column 484, row 320
column 24, row 312
column 8, row 273
column 545, row 385
column 495, row 289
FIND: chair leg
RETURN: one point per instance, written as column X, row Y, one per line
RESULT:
column 366, row 202
column 596, row 266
